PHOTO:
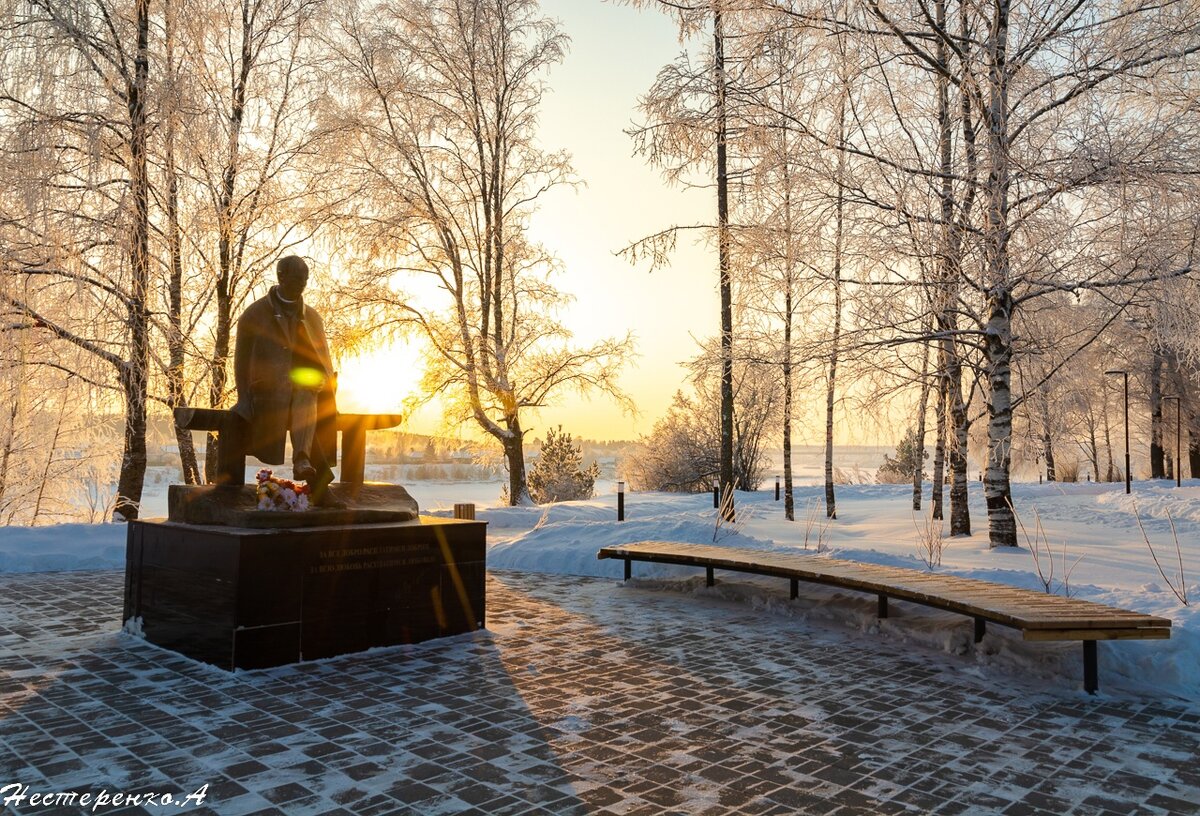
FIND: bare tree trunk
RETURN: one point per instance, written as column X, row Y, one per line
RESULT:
column 937, row 489
column 8, row 447
column 1193, row 448
column 13, row 411
column 997, row 492
column 960, row 421
column 175, row 348
column 726, row 276
column 514, row 457
column 1109, row 476
column 836, row 338
column 998, row 349
column 227, row 274
column 1047, row 439
column 789, row 305
column 960, row 512
column 922, row 409
column 1157, row 453
column 134, row 374
column 1093, row 448
column 947, row 262
column 789, row 499
column 49, row 460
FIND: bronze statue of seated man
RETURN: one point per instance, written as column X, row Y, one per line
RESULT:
column 286, row 383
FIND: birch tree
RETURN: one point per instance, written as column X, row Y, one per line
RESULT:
column 74, row 91
column 1055, row 130
column 435, row 128
column 689, row 130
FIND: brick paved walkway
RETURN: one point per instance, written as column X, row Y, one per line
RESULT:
column 583, row 697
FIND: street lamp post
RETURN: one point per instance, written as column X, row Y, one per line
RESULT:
column 1125, row 376
column 1178, row 463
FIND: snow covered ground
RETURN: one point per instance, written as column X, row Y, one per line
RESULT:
column 1106, row 559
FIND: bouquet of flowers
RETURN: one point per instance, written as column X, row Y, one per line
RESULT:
column 281, row 494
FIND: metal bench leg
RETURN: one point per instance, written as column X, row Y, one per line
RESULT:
column 708, row 576
column 883, row 610
column 980, row 629
column 628, row 568
column 795, row 588
column 1091, row 672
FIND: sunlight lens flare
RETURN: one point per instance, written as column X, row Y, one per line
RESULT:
column 307, row 377
column 381, row 380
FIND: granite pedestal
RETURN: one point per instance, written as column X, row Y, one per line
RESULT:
column 246, row 598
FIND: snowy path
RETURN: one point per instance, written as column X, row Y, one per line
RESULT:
column 584, row 696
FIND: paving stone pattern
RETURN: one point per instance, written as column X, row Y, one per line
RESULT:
column 583, row 697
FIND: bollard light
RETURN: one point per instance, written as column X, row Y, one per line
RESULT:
column 776, row 488
column 716, row 493
column 621, row 500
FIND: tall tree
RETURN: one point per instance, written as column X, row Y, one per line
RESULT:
column 435, row 125
column 75, row 88
column 1038, row 110
column 721, row 113
column 171, row 113
column 689, row 129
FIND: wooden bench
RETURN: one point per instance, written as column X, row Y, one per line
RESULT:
column 231, row 451
column 1039, row 616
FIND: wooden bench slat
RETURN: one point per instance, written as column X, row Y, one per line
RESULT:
column 1011, row 606
column 1148, row 633
column 1040, row 617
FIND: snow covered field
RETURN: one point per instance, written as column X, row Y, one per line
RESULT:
column 1106, row 559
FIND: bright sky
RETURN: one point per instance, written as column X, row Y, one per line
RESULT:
column 616, row 51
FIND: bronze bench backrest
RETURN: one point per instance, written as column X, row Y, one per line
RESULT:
column 231, row 450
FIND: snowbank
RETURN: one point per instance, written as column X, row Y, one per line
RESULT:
column 62, row 547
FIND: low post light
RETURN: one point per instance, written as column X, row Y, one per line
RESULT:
column 621, row 500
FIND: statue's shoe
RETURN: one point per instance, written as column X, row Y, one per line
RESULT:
column 328, row 501
column 303, row 471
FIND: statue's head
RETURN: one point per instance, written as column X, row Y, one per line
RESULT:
column 292, row 272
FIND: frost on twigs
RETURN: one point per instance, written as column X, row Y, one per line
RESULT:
column 930, row 540
column 1043, row 556
column 1177, row 584
column 728, row 522
column 816, row 526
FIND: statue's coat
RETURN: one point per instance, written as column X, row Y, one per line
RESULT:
column 262, row 363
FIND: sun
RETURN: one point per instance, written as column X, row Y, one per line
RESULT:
column 379, row 381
